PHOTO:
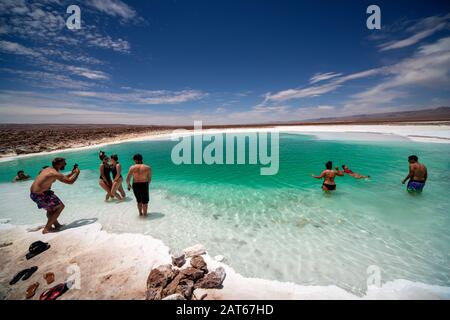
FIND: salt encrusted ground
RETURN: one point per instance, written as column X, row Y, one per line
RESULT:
column 116, row 266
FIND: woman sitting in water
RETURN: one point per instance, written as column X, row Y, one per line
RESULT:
column 116, row 170
column 353, row 174
column 329, row 174
column 105, row 176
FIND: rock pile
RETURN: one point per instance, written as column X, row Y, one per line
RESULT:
column 177, row 281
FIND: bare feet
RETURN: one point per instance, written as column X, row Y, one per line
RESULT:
column 49, row 230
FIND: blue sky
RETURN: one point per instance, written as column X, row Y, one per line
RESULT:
column 173, row 62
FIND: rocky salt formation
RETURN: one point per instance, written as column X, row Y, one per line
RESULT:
column 179, row 280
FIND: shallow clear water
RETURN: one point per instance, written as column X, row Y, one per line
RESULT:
column 278, row 227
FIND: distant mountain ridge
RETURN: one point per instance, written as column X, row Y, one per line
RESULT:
column 437, row 114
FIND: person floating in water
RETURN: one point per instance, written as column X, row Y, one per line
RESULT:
column 417, row 175
column 353, row 174
column 116, row 170
column 45, row 198
column 105, row 175
column 21, row 176
column 328, row 175
column 142, row 176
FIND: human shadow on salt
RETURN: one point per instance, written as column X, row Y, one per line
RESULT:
column 79, row 223
column 154, row 216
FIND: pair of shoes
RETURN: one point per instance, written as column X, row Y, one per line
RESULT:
column 36, row 248
column 24, row 275
column 55, row 292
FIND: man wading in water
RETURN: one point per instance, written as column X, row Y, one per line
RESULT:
column 417, row 175
column 142, row 176
column 45, row 198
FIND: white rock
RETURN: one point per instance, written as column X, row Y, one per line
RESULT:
column 196, row 250
column 175, row 296
column 200, row 294
column 219, row 258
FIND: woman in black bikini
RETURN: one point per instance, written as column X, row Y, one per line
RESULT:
column 105, row 176
column 116, row 170
column 329, row 174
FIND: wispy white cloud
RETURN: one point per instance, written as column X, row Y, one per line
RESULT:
column 412, row 39
column 53, row 69
column 88, row 73
column 429, row 67
column 114, row 8
column 325, row 107
column 145, row 97
column 16, row 48
column 318, row 90
column 323, row 76
column 420, row 30
column 48, row 80
column 271, row 109
column 68, row 56
column 106, row 42
column 39, row 21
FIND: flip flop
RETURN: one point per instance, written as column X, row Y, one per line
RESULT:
column 32, row 290
column 29, row 273
column 54, row 293
column 18, row 276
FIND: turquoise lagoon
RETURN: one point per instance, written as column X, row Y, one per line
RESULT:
column 280, row 227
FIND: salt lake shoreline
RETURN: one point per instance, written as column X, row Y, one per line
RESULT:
column 116, row 266
column 433, row 132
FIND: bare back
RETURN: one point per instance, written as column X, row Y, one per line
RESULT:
column 329, row 176
column 141, row 173
column 419, row 171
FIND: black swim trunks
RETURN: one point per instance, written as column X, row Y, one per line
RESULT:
column 330, row 187
column 140, row 190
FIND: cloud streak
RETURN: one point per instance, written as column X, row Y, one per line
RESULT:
column 114, row 8
column 420, row 30
column 323, row 76
column 318, row 90
column 145, row 97
column 16, row 48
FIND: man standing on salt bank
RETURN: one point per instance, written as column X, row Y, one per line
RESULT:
column 142, row 176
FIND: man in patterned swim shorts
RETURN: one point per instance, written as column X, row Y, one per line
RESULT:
column 417, row 175
column 45, row 198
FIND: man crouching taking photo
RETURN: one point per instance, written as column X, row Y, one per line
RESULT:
column 45, row 198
